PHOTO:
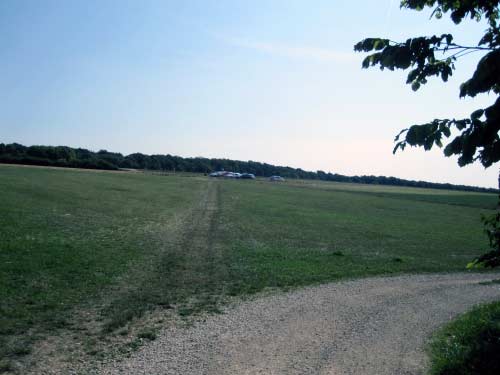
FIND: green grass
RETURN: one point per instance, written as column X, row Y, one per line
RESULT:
column 286, row 235
column 66, row 235
column 148, row 334
column 117, row 245
column 469, row 345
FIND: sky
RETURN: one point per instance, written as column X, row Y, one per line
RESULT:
column 274, row 81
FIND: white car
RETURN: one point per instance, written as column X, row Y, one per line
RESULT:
column 231, row 175
column 216, row 174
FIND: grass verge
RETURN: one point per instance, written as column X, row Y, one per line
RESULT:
column 468, row 345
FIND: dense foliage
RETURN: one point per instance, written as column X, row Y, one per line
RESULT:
column 62, row 156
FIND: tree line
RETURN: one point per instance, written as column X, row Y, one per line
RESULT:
column 64, row 156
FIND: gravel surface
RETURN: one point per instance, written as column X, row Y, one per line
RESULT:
column 368, row 326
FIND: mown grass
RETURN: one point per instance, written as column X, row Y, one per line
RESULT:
column 287, row 235
column 66, row 235
column 128, row 243
column 188, row 270
column 469, row 345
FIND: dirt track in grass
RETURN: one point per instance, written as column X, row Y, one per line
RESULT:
column 187, row 258
column 367, row 326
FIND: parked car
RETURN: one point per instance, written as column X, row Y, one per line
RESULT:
column 231, row 175
column 276, row 178
column 227, row 174
column 219, row 174
column 247, row 176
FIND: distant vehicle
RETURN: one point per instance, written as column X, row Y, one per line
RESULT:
column 217, row 174
column 225, row 174
column 276, row 178
column 247, row 176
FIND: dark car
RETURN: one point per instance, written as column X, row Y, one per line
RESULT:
column 247, row 176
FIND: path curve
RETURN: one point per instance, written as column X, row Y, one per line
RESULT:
column 368, row 326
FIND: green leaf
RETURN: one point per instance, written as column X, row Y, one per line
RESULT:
column 477, row 114
column 435, row 56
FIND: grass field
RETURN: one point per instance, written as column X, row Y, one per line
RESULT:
column 117, row 245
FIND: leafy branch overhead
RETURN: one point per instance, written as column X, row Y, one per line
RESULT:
column 435, row 56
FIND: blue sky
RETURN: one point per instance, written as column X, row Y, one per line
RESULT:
column 274, row 81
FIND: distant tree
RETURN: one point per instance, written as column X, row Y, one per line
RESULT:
column 37, row 151
column 62, row 156
column 429, row 56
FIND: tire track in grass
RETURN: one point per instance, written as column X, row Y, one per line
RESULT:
column 204, row 268
column 186, row 273
column 184, row 276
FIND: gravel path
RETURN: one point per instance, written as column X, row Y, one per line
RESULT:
column 369, row 326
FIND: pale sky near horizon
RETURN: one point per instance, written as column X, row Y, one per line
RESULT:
column 271, row 81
